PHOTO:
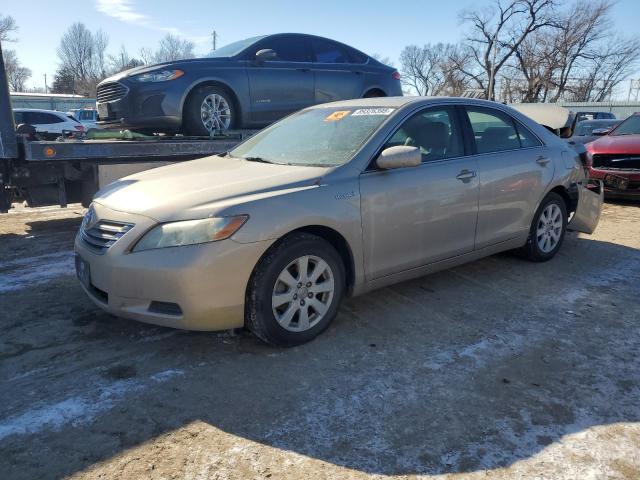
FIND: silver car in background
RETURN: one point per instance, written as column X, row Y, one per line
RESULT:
column 334, row 200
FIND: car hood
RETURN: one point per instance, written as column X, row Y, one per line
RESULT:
column 159, row 66
column 203, row 187
column 616, row 144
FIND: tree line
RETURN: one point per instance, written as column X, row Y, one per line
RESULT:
column 527, row 51
column 83, row 58
column 84, row 61
column 511, row 51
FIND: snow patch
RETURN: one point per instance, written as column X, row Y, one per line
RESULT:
column 26, row 272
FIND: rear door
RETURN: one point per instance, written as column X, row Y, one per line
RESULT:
column 419, row 215
column 337, row 75
column 514, row 169
column 283, row 85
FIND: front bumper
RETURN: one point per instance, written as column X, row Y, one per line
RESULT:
column 207, row 281
column 154, row 106
column 631, row 192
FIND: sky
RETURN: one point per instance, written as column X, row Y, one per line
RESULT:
column 373, row 26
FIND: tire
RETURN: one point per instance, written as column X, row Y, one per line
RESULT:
column 374, row 94
column 266, row 288
column 194, row 115
column 546, row 236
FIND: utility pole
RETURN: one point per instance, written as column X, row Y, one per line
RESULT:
column 214, row 37
column 634, row 89
column 492, row 76
column 45, row 83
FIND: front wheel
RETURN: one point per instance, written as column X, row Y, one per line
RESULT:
column 547, row 229
column 295, row 291
column 208, row 110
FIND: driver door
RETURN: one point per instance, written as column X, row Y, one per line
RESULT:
column 419, row 215
column 284, row 85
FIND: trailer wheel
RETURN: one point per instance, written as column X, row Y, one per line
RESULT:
column 208, row 109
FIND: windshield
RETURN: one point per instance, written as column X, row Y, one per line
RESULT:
column 587, row 128
column 316, row 137
column 631, row 126
column 234, row 48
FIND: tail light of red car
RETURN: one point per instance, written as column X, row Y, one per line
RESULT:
column 396, row 75
column 79, row 128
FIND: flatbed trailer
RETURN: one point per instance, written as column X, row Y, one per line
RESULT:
column 70, row 170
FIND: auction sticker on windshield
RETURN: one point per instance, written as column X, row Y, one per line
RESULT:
column 372, row 111
column 337, row 115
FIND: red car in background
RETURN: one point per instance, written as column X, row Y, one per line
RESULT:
column 615, row 159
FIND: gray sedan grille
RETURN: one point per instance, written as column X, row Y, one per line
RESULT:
column 103, row 234
column 110, row 92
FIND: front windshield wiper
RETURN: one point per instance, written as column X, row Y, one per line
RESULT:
column 258, row 159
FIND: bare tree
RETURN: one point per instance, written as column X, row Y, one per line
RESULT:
column 83, row 54
column 433, row 69
column 146, row 56
column 173, row 48
column 496, row 33
column 123, row 61
column 17, row 75
column 8, row 26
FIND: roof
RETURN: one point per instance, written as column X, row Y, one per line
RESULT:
column 397, row 102
column 42, row 110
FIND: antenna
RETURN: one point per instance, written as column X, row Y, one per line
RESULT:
column 214, row 38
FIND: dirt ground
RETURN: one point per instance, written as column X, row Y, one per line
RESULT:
column 497, row 369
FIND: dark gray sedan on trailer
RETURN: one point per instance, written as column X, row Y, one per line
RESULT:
column 246, row 84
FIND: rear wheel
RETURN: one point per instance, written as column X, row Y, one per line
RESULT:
column 374, row 94
column 547, row 229
column 209, row 109
column 295, row 291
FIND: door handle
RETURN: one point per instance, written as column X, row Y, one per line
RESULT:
column 465, row 175
column 358, row 72
column 542, row 160
column 303, row 69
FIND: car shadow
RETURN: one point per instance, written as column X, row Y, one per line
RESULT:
column 469, row 369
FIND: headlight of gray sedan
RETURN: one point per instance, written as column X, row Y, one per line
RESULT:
column 159, row 75
column 190, row 232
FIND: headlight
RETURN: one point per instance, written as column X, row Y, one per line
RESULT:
column 159, row 76
column 190, row 232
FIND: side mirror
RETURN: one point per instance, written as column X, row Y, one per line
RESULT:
column 266, row 54
column 600, row 131
column 399, row 157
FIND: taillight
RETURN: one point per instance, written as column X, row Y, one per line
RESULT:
column 396, row 75
column 80, row 128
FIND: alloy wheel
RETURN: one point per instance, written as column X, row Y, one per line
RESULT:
column 215, row 112
column 549, row 229
column 303, row 293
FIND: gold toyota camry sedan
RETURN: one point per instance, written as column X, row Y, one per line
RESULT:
column 337, row 199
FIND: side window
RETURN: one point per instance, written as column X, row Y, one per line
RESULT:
column 493, row 131
column 50, row 118
column 434, row 131
column 287, row 48
column 86, row 114
column 357, row 56
column 527, row 139
column 18, row 117
column 326, row 51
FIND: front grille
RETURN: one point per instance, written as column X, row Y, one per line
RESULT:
column 617, row 161
column 103, row 234
column 110, row 92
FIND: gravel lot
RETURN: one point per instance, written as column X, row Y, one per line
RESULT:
column 497, row 369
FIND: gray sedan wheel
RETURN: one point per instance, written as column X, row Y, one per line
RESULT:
column 215, row 112
column 209, row 109
column 547, row 229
